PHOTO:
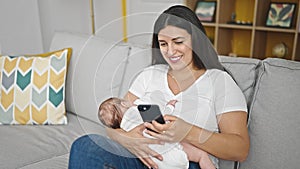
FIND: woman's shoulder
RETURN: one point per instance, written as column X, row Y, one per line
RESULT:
column 215, row 74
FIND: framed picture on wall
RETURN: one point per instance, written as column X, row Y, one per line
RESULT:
column 205, row 10
column 280, row 14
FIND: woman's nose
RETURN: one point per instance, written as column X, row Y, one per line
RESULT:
column 171, row 50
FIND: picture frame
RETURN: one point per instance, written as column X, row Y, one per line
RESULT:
column 205, row 10
column 280, row 14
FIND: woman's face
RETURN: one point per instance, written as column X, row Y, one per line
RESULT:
column 176, row 47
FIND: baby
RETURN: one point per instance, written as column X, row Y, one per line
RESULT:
column 119, row 113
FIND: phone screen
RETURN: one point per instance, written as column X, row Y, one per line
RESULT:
column 151, row 112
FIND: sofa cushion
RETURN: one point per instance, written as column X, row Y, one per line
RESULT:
column 95, row 73
column 244, row 72
column 33, row 88
column 30, row 146
column 57, row 162
column 274, row 117
column 139, row 58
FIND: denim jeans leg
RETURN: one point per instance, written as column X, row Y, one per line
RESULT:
column 96, row 151
column 194, row 165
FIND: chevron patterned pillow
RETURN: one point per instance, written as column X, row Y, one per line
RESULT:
column 32, row 88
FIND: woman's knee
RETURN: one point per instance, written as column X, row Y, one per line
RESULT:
column 96, row 151
column 83, row 149
column 80, row 142
column 97, row 144
column 86, row 144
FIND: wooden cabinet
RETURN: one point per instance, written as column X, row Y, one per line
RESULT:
column 254, row 39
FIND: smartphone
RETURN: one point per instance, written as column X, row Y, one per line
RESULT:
column 151, row 112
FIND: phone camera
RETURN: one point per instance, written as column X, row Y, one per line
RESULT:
column 143, row 107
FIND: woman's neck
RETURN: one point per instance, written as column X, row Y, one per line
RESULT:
column 179, row 81
column 186, row 74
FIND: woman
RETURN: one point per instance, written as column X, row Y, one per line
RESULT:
column 212, row 116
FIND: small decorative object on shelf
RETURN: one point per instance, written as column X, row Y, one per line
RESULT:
column 280, row 14
column 238, row 22
column 205, row 10
column 232, row 18
column 280, row 50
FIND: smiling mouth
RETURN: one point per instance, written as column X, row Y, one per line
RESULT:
column 175, row 58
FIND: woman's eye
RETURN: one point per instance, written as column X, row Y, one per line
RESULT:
column 162, row 44
column 180, row 42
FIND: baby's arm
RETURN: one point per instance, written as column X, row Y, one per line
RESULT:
column 197, row 155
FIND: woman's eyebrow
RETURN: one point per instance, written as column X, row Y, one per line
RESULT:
column 177, row 38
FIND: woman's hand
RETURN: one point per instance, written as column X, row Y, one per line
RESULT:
column 137, row 144
column 175, row 130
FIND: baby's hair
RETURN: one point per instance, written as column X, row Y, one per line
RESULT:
column 109, row 114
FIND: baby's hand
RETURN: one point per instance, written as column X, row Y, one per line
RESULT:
column 172, row 102
column 170, row 107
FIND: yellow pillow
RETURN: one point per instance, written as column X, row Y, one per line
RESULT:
column 33, row 88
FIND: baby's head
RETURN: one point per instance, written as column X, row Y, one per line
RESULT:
column 111, row 111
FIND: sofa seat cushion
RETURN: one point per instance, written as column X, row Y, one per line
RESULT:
column 58, row 162
column 35, row 145
column 244, row 72
column 274, row 117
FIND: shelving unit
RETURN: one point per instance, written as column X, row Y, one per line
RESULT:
column 256, row 40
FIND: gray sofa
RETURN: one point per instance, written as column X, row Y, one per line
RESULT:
column 100, row 68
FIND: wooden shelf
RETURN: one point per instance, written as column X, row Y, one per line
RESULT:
column 206, row 24
column 255, row 40
column 235, row 26
column 263, row 28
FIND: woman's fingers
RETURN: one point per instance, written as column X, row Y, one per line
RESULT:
column 174, row 131
column 144, row 155
column 145, row 162
column 155, row 154
column 155, row 126
column 170, row 118
column 149, row 162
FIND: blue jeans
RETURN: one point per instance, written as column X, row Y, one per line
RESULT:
column 98, row 152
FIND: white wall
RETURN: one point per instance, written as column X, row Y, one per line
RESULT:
column 63, row 15
column 108, row 18
column 27, row 26
column 20, row 30
column 142, row 15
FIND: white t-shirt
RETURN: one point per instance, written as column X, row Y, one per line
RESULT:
column 173, row 154
column 212, row 94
